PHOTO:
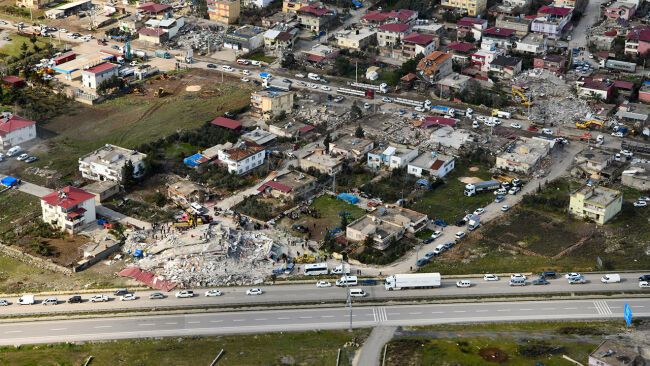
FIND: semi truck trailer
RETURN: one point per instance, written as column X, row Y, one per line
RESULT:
column 412, row 280
column 472, row 189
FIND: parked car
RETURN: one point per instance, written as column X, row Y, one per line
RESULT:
column 459, row 235
column 386, row 99
column 490, row 277
column 617, row 134
column 211, row 66
column 436, row 234
column 463, row 283
column 245, row 79
column 515, row 125
column 505, row 208
column 548, row 274
column 499, row 199
column 429, row 255
column 427, row 240
column 213, row 293
column 31, row 159
column 156, row 296
column 128, row 297
column 644, row 198
column 254, row 291
column 421, row 262
column 547, row 131
column 644, row 284
column 514, row 190
column 627, row 153
column 479, row 211
column 321, row 283
column 338, row 99
column 366, row 105
column 75, row 299
column 540, row 281
column 300, row 75
column 183, row 294
column 98, row 298
column 640, row 204
column 22, row 157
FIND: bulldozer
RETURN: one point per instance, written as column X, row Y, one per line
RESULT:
column 590, row 124
column 519, row 95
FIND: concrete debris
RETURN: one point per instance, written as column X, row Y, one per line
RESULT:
column 199, row 37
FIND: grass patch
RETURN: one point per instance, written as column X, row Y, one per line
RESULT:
column 12, row 48
column 16, row 206
column 307, row 348
column 260, row 56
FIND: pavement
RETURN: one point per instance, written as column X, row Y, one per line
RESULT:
column 238, row 322
column 372, row 351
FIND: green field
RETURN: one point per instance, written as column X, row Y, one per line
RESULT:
column 308, row 348
column 12, row 48
column 16, row 206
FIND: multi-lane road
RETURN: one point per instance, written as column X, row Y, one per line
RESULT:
column 310, row 294
column 310, row 319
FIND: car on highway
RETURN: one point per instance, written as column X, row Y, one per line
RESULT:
column 322, row 284
column 121, row 291
column 479, row 211
column 422, row 262
column 640, row 204
column 577, row 280
column 463, row 283
column 128, row 297
column 211, row 66
column 540, row 281
column 572, row 274
column 645, row 277
column 644, row 284
column 548, row 274
column 51, row 301
column 547, row 131
column 515, row 125
column 184, row 294
column 4, row 302
column 75, row 299
column 436, row 234
column 611, row 278
column 254, row 291
column 157, row 296
column 517, row 276
column 213, row 293
column 300, row 75
column 505, row 208
column 459, row 235
column 490, row 277
column 98, row 298
column 387, row 100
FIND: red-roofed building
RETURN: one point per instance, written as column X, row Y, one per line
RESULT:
column 69, row 209
column 461, row 52
column 473, row 26
column 154, row 9
column 393, row 16
column 624, row 88
column 94, row 76
column 242, row 157
column 638, row 40
column 68, row 56
column 552, row 63
column 500, row 37
column 415, row 44
column 152, row 35
column 228, row 123
column 315, row 17
column 552, row 21
column 13, row 81
column 588, row 87
column 15, row 130
column 291, row 185
column 431, row 164
column 390, row 35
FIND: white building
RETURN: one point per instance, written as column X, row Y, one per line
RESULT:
column 15, row 130
column 533, row 43
column 107, row 163
column 256, row 3
column 94, row 76
column 171, row 26
column 431, row 164
column 393, row 157
column 69, row 209
column 243, row 157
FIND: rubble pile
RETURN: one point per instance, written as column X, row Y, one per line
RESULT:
column 199, row 37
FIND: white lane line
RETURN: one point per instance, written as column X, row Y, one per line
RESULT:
column 304, row 317
column 482, row 311
column 615, row 307
column 503, row 310
column 238, row 320
column 193, row 322
column 103, row 326
column 327, row 316
column 13, row 331
column 460, row 311
column 639, row 306
column 146, row 325
column 415, row 313
column 548, row 308
column 433, row 312
column 283, row 318
column 216, row 321
column 171, row 323
column 58, row 328
column 260, row 319
column 525, row 309
column 570, row 308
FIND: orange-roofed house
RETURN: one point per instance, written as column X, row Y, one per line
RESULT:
column 243, row 157
column 435, row 66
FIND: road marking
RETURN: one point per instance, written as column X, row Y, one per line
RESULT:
column 602, row 307
column 416, row 313
column 460, row 311
column 503, row 310
column 171, row 323
column 548, row 308
column 379, row 314
column 639, row 306
column 283, row 318
column 193, row 322
column 437, row 312
column 570, row 308
column 327, row 316
column 525, row 309
column 304, row 317
column 147, row 324
column 395, row 313
column 58, row 328
column 103, row 326
column 216, row 321
column 260, row 319
column 13, row 331
column 481, row 311
column 238, row 320
column 615, row 307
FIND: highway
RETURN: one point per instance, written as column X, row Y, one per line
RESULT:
column 309, row 293
column 144, row 326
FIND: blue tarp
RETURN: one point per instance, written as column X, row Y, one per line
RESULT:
column 9, row 181
column 264, row 75
column 349, row 198
column 357, row 4
column 423, row 183
column 192, row 161
column 137, row 253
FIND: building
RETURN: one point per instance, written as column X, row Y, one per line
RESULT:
column 591, row 163
column 637, row 175
column 351, row 147
column 592, row 88
column 316, row 18
column 644, row 92
column 469, row 7
column 524, row 156
column 256, row 3
column 552, row 63
column 69, row 209
column 483, row 58
column 602, row 40
column 521, row 25
column 244, row 39
column 271, row 102
column 417, row 44
column 385, row 225
column 391, row 34
column 461, row 52
column 431, row 164
column 155, row 10
column 620, row 10
column 633, row 114
column 278, row 42
column 552, row 21
column 599, row 204
column 356, row 39
column 289, row 129
column 13, row 81
column 164, row 29
column 15, row 130
column 378, row 17
column 292, row 6
column 320, row 53
column 292, row 185
column 227, row 123
column 184, row 192
column 435, row 66
column 154, row 36
column 107, row 163
column 242, row 157
column 322, row 162
column 94, row 76
column 68, row 9
column 533, row 43
column 259, row 136
column 454, row 83
column 637, row 41
column 392, row 157
column 33, row 4
column 224, row 11
column 498, row 37
column 470, row 26
column 610, row 353
column 505, row 67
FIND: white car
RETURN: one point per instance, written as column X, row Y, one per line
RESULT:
column 644, row 198
column 323, row 284
column 299, row 75
column 505, row 208
column 640, row 204
column 325, row 88
column 22, row 157
column 314, row 86
column 212, row 293
column 489, row 123
column 183, row 294
column 515, row 125
column 490, row 277
column 254, row 291
column 387, row 100
column 128, row 297
column 627, row 153
column 464, row 283
column 481, row 118
column 419, row 109
column 617, row 134
column 644, row 284
column 256, row 63
column 366, row 105
column 479, row 211
column 460, row 235
column 245, row 79
column 98, row 298
column 227, row 68
column 436, row 234
column 547, row 131
column 246, row 72
column 572, row 275
column 517, row 276
column 4, row 302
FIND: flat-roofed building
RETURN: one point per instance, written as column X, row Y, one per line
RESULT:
column 599, row 204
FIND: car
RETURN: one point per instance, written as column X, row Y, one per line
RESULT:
column 254, row 291
column 439, row 249
column 514, row 190
column 75, row 299
column 134, row 63
column 518, row 276
column 22, row 157
column 314, row 86
column 184, row 294
column 427, row 240
column 640, row 204
column 464, row 283
column 515, row 125
column 4, row 302
column 499, row 198
column 436, row 234
column 572, row 274
column 325, row 88
column 627, row 153
column 479, row 211
column 644, row 284
column 505, row 208
column 227, row 68
column 547, row 131
column 617, row 134
column 645, row 277
column 300, row 75
column 338, row 99
column 51, row 301
column 121, row 291
column 128, row 297
column 419, row 109
column 156, row 296
column 490, row 277
column 256, row 63
column 501, row 192
column 489, row 123
column 548, row 274
column 429, row 255
column 387, row 100
column 211, row 66
column 322, row 283
column 421, row 262
column 31, row 159
column 213, row 293
column 481, row 118
column 242, row 62
column 245, row 72
column 540, row 281
column 644, row 198
column 99, row 298
column 401, row 112
column 460, row 235
column 577, row 280
column 448, row 245
column 245, row 79
column 367, row 105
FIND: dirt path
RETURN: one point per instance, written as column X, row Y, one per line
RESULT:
column 372, row 351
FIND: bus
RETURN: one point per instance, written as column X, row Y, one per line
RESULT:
column 316, row 269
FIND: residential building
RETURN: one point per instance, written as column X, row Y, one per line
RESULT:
column 576, row 4
column 271, row 102
column 256, row 3
column 633, row 114
column 94, row 76
column 316, row 18
column 391, row 34
column 417, row 43
column 184, row 192
column 588, row 87
column 471, row 7
column 521, row 25
column 483, row 58
column 637, row 175
column 279, row 42
column 524, row 157
column 602, row 41
column 599, row 204
column 155, row 10
column 224, row 11
column 169, row 26
column 377, row 17
column 320, row 53
column 474, row 26
column 431, row 164
column 103, row 190
column 499, row 37
column 322, row 162
column 551, row 21
column 281, row 21
column 611, row 353
column 447, row 136
column 289, row 129
column 356, row 39
column 107, row 163
column 292, row 185
column 386, row 224
column 69, row 209
column 13, row 81
column 552, row 63
column 33, row 4
column 461, row 52
column 245, row 39
column 620, row 10
column 534, row 43
column 351, row 147
column 292, row 6
column 242, row 157
column 644, row 92
column 435, row 66
column 260, row 137
column 591, row 163
column 638, row 41
column 505, row 67
column 131, row 24
column 454, row 83
column 154, row 36
column 392, row 157
column 15, row 130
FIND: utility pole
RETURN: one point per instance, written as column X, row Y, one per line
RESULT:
column 356, row 71
column 347, row 289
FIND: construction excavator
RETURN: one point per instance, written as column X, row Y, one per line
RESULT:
column 590, row 124
column 519, row 95
column 159, row 93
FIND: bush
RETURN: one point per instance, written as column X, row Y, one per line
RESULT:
column 396, row 250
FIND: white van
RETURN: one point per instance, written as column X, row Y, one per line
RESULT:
column 611, row 278
column 312, row 76
column 341, row 268
column 347, row 280
column 26, row 300
column 357, row 292
column 51, row 301
column 14, row 151
column 517, row 282
column 197, row 208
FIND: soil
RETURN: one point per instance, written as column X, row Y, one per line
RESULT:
column 470, row 180
column 474, row 169
column 493, row 355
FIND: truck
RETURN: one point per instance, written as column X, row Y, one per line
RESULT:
column 276, row 83
column 472, row 189
column 412, row 281
column 444, row 110
column 409, row 102
column 341, row 268
column 501, row 114
column 162, row 54
column 369, row 93
column 473, row 222
column 26, row 300
column 381, row 88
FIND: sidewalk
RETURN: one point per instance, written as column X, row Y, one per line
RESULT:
column 372, row 351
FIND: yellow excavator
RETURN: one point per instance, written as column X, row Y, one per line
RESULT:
column 589, row 124
column 519, row 95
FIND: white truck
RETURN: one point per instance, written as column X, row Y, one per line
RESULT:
column 472, row 189
column 26, row 300
column 341, row 269
column 473, row 222
column 412, row 280
column 381, row 88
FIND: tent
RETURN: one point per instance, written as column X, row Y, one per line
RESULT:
column 193, row 161
column 349, row 198
column 10, row 181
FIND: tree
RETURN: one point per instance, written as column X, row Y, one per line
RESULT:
column 23, row 49
column 342, row 65
column 127, row 174
column 355, row 111
column 344, row 220
column 288, row 61
column 369, row 241
column 359, row 132
column 326, row 142
column 411, row 65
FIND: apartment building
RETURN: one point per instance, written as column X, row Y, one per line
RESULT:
column 599, row 204
column 107, row 163
column 224, row 11
column 469, row 7
column 69, row 209
column 271, row 102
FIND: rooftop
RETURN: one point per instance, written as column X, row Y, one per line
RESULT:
column 418, row 38
column 245, row 32
column 259, row 136
column 599, row 196
column 553, row 58
column 463, row 47
column 101, row 68
column 355, row 34
column 399, row 15
column 271, row 92
column 242, row 150
column 554, row 10
column 396, row 215
column 506, row 61
column 430, row 160
column 527, row 151
column 349, row 143
column 67, row 197
column 615, row 354
column 593, row 156
column 113, row 156
column 288, row 182
column 430, row 64
column 154, row 7
column 226, row 123
column 499, row 32
column 467, row 21
column 323, row 159
column 395, row 27
column 315, row 10
column 14, row 123
column 641, row 33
